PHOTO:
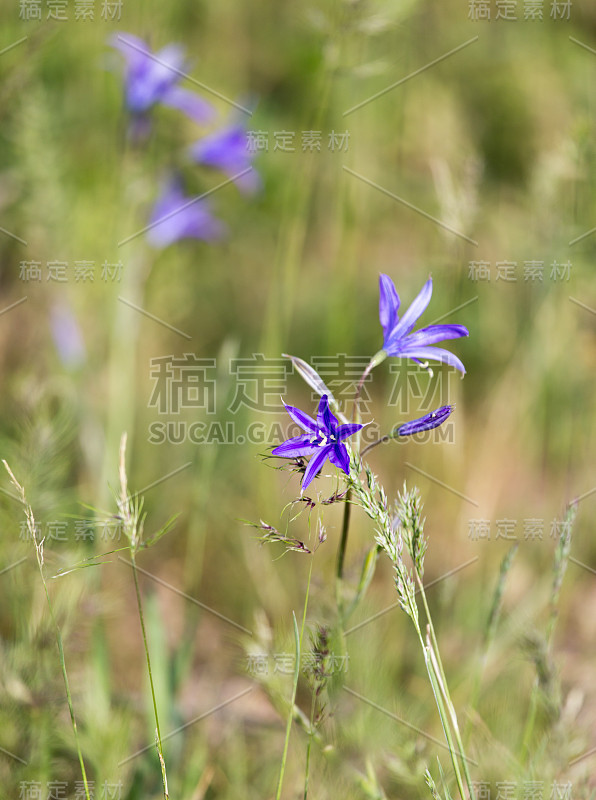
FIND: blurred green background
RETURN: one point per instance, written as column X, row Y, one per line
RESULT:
column 497, row 142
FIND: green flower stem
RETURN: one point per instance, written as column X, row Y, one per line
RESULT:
column 382, row 440
column 343, row 542
column 341, row 550
column 377, row 359
column 365, row 374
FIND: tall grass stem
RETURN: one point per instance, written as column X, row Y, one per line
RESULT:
column 298, row 638
column 39, row 555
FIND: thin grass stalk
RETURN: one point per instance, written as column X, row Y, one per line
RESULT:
column 435, row 685
column 146, row 646
column 445, row 723
column 431, row 785
column 309, row 745
column 491, row 627
column 561, row 561
column 443, row 686
column 133, row 526
column 559, row 568
column 123, row 334
column 377, row 508
column 298, row 637
column 443, row 683
column 39, row 556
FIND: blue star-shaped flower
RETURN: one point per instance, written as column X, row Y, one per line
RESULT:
column 153, row 78
column 228, row 150
column 398, row 341
column 323, row 441
column 176, row 216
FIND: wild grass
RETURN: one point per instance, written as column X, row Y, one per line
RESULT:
column 497, row 140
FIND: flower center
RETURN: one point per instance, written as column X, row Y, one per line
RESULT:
column 322, row 439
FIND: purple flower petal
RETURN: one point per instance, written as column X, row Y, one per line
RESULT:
column 151, row 78
column 325, row 444
column 154, row 76
column 325, row 419
column 411, row 316
column 388, row 304
column 176, row 216
column 302, row 419
column 339, row 457
column 350, row 428
column 298, row 446
column 249, row 182
column 148, row 76
column 170, row 60
column 67, row 335
column 315, row 465
column 132, row 47
column 398, row 340
column 427, row 422
column 435, row 333
column 227, row 150
column 190, row 103
column 434, row 354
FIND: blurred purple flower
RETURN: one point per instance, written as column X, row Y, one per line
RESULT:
column 398, row 341
column 176, row 216
column 228, row 150
column 67, row 335
column 323, row 441
column 152, row 79
column 427, row 422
